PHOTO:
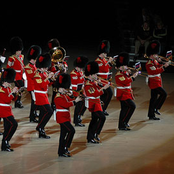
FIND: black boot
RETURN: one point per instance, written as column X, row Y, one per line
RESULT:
column 42, row 133
column 18, row 104
column 6, row 147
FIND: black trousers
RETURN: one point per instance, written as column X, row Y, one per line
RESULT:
column 158, row 97
column 67, row 132
column 127, row 109
column 106, row 98
column 45, row 115
column 19, row 83
column 96, row 124
column 32, row 108
column 10, row 126
column 79, row 110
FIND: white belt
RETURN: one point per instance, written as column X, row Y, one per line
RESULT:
column 1, row 104
column 108, row 73
column 73, row 85
column 62, row 110
column 87, row 101
column 41, row 92
column 92, row 97
column 18, row 71
column 156, row 75
column 126, row 87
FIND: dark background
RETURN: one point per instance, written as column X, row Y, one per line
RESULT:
column 76, row 24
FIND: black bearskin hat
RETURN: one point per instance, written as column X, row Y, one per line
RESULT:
column 53, row 43
column 63, row 81
column 43, row 61
column 91, row 68
column 104, row 47
column 123, row 59
column 34, row 52
column 8, row 75
column 154, row 47
column 16, row 44
column 80, row 62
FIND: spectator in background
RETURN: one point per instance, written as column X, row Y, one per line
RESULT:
column 160, row 34
column 143, row 36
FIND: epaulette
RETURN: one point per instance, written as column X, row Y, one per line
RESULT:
column 12, row 57
column 27, row 67
column 98, row 59
column 149, row 62
column 88, row 83
column 37, row 75
column 73, row 72
column 2, row 90
column 118, row 73
column 58, row 95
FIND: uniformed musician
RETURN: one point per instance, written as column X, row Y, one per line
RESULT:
column 92, row 101
column 33, row 52
column 6, row 96
column 123, row 80
column 63, row 102
column 104, row 71
column 41, row 82
column 77, row 85
column 15, row 61
column 154, row 70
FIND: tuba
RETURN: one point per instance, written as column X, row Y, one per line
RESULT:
column 57, row 54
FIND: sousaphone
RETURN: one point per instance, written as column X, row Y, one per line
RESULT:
column 57, row 54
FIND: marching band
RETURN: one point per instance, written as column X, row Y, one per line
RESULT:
column 88, row 86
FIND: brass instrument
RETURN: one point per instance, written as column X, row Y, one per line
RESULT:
column 21, row 89
column 57, row 54
column 164, row 59
column 104, row 82
column 113, row 62
column 53, row 78
column 137, row 68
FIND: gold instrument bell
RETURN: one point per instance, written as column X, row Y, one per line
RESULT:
column 57, row 54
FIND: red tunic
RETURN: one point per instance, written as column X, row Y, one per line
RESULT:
column 104, row 68
column 40, row 88
column 123, row 82
column 77, row 79
column 30, row 72
column 17, row 64
column 5, row 100
column 154, row 70
column 93, row 93
column 63, row 103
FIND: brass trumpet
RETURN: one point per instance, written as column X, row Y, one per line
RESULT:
column 164, row 59
column 21, row 89
column 113, row 62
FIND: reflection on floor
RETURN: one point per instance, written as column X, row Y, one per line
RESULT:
column 147, row 148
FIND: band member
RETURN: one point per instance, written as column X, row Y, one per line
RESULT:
column 6, row 96
column 92, row 102
column 0, row 79
column 77, row 84
column 15, row 61
column 104, row 71
column 52, row 43
column 33, row 52
column 41, row 82
column 123, row 80
column 154, row 70
column 58, row 65
column 63, row 102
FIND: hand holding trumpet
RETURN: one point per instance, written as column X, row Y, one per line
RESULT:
column 15, row 90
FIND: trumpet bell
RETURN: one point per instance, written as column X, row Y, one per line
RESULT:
column 57, row 54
